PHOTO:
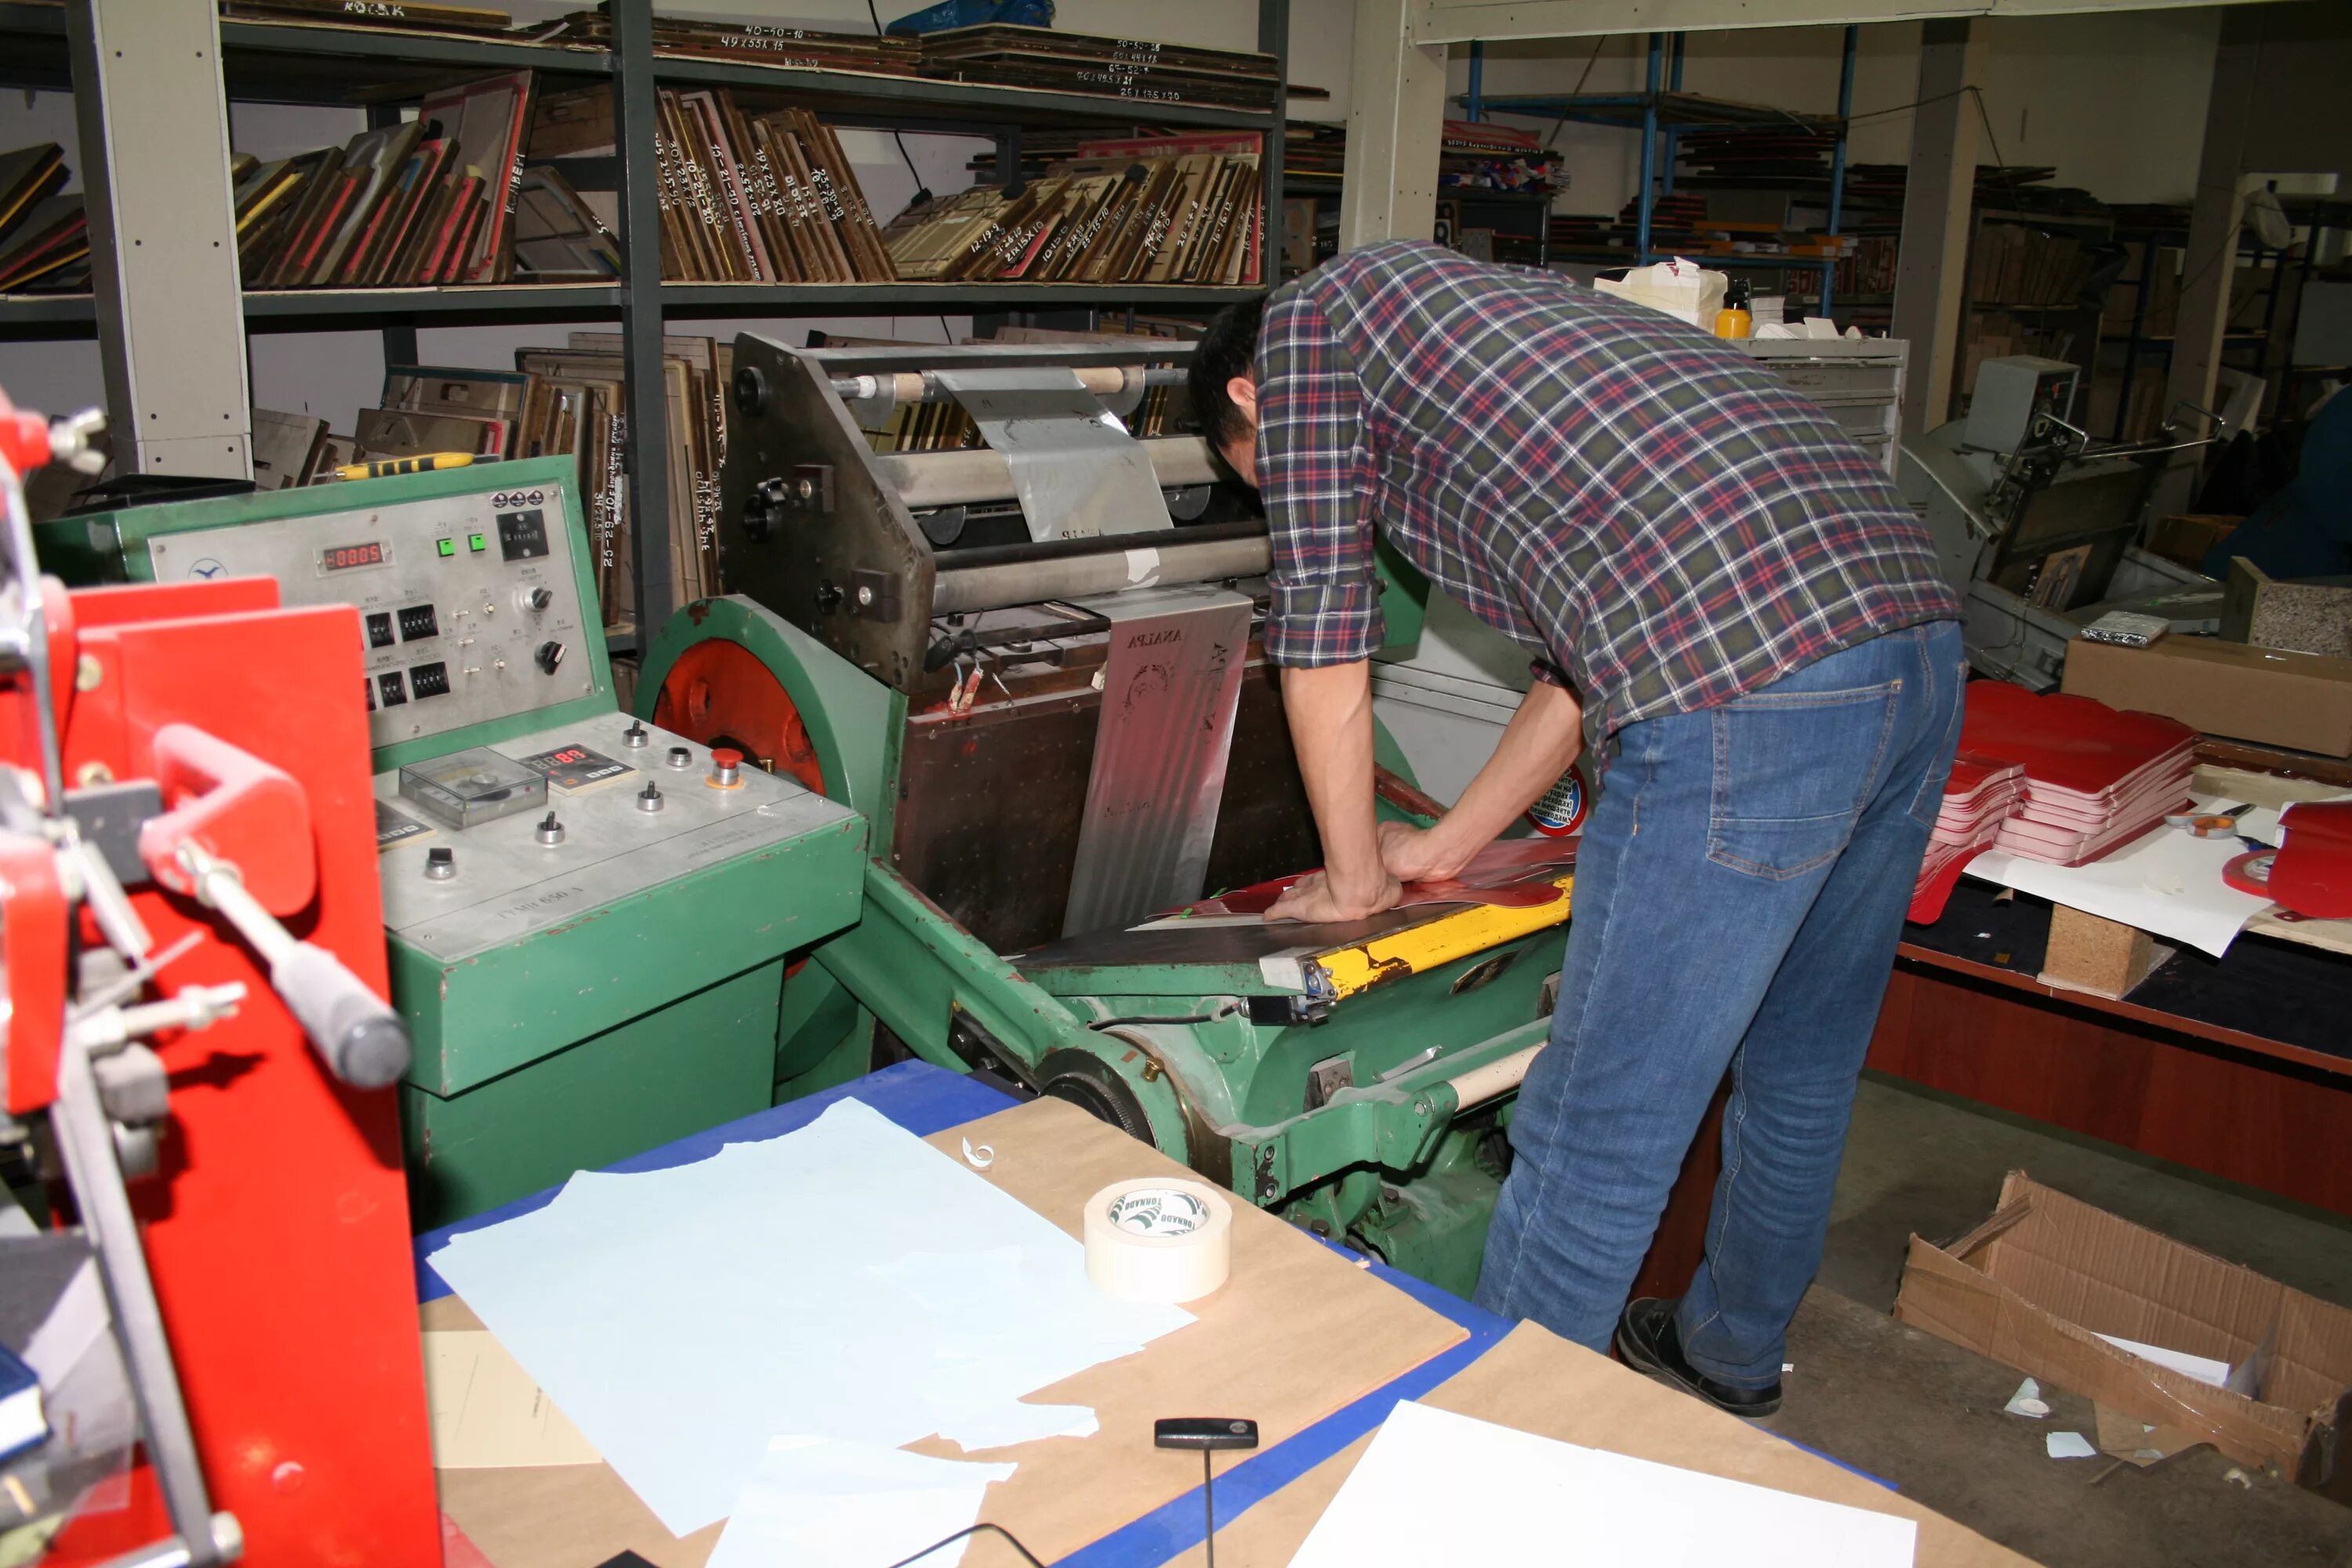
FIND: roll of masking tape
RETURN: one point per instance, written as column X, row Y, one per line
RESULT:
column 1159, row 1239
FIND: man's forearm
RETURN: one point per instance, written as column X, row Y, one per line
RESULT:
column 1330, row 711
column 1538, row 745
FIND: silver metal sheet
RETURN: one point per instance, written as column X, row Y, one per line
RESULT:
column 1078, row 472
column 508, row 886
column 1170, row 685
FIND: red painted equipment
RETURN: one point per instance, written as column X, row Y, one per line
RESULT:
column 259, row 1281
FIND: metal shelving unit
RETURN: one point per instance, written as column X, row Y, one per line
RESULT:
column 329, row 64
column 1663, row 113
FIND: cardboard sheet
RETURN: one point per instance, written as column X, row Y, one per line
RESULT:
column 2037, row 1283
column 486, row 1412
column 1298, row 1333
column 1537, row 1383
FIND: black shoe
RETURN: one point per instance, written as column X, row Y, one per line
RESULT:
column 1650, row 1342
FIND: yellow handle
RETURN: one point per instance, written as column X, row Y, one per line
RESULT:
column 420, row 465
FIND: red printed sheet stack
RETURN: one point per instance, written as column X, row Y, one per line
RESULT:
column 2050, row 777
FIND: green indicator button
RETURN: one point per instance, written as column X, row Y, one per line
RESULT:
column 478, row 543
column 447, row 546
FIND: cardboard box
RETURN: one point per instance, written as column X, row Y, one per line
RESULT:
column 2308, row 614
column 2038, row 1282
column 2187, row 536
column 2274, row 698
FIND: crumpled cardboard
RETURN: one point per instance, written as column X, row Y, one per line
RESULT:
column 2034, row 1285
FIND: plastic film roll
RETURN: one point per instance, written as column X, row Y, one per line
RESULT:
column 1159, row 1238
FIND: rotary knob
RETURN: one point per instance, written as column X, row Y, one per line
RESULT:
column 549, row 654
column 534, row 601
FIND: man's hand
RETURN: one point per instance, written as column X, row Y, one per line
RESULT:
column 1313, row 898
column 1413, row 854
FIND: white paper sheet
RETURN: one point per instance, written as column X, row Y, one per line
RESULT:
column 2168, row 882
column 1511, row 1497
column 2204, row 1369
column 846, row 1281
column 2068, row 1446
column 814, row 1502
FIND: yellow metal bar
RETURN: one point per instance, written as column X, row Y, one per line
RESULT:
column 1437, row 943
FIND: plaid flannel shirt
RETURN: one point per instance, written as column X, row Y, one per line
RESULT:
column 1644, row 508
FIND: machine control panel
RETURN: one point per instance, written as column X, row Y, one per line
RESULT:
column 612, row 821
column 468, row 605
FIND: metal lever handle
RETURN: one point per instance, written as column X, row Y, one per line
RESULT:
column 361, row 1040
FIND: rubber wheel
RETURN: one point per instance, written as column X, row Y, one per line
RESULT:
column 1094, row 1087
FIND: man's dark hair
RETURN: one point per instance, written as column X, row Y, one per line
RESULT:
column 1227, row 346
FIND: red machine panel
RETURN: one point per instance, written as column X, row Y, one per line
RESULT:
column 276, row 1229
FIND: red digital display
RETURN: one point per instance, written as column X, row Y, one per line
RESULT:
column 339, row 557
column 566, row 757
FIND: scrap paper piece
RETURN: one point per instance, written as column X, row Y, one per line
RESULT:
column 2028, row 1401
column 2168, row 883
column 817, row 1502
column 845, row 1281
column 1506, row 1493
column 1005, row 1426
column 488, row 1413
column 2068, row 1446
column 2204, row 1369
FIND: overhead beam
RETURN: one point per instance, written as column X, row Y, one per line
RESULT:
column 1396, row 108
column 1464, row 21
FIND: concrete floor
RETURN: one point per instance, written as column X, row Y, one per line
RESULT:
column 1926, row 1416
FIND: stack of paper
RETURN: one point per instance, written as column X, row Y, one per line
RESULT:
column 2053, row 778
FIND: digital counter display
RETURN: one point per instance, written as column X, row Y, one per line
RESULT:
column 343, row 557
column 564, row 756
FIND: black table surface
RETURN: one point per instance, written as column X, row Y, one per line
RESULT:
column 2282, row 991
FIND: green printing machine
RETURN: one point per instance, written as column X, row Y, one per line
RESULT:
column 1033, row 666
column 589, row 917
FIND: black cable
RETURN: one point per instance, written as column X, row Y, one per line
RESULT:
column 1011, row 1540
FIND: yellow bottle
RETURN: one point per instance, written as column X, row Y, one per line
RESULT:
column 1733, row 320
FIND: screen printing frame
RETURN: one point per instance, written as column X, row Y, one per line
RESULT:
column 113, row 546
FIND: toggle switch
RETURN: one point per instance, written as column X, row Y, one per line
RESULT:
column 649, row 799
column 550, row 832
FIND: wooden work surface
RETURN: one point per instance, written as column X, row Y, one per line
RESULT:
column 1298, row 1332
column 1537, row 1383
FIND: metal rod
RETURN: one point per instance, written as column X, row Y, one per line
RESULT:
column 923, row 386
column 86, row 1142
column 1273, row 39
column 959, row 592
column 644, row 394
column 925, row 480
column 1837, row 158
column 1677, row 50
column 1474, row 101
column 1649, row 153
column 1498, row 1076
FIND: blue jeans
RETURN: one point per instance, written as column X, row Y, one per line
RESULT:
column 1739, row 892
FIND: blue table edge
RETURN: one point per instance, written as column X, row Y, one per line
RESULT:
column 923, row 1100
